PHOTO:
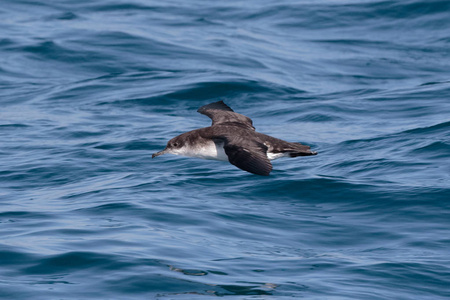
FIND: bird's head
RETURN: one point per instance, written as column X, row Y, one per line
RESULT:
column 175, row 146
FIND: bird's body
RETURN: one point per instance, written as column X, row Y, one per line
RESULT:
column 233, row 138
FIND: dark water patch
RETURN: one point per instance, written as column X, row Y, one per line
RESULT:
column 65, row 16
column 434, row 150
column 437, row 129
column 17, row 216
column 108, row 146
column 184, row 288
column 123, row 8
column 121, row 41
column 138, row 145
column 49, row 50
column 13, row 126
column 6, row 42
column 416, row 95
column 323, row 16
column 72, row 261
column 15, row 258
column 190, row 272
column 411, row 10
column 402, row 140
column 435, row 83
column 200, row 92
column 311, row 189
column 80, row 91
column 427, row 277
column 138, row 285
column 372, row 167
column 316, row 118
column 39, row 176
column 246, row 290
column 111, row 207
column 90, row 193
column 355, row 196
column 208, row 90
column 84, row 134
column 351, row 93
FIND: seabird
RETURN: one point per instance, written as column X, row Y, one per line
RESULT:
column 232, row 137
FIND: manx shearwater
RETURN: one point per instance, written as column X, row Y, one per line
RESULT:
column 232, row 137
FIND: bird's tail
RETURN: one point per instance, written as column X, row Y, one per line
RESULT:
column 300, row 150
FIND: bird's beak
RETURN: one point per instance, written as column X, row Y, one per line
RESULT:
column 159, row 153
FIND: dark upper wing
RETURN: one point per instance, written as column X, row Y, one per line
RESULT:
column 248, row 156
column 220, row 113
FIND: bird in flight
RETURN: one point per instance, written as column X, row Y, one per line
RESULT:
column 232, row 138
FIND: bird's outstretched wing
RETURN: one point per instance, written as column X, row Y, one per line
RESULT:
column 248, row 156
column 222, row 114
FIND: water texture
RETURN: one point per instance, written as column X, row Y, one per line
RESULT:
column 90, row 89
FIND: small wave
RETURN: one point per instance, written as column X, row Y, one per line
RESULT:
column 13, row 126
column 64, row 16
column 438, row 128
column 72, row 262
column 435, row 150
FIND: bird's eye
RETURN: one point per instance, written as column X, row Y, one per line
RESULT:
column 175, row 144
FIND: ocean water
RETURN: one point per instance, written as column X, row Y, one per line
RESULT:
column 90, row 89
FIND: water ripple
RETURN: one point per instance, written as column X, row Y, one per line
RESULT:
column 89, row 90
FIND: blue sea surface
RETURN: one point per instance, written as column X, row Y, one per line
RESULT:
column 90, row 89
